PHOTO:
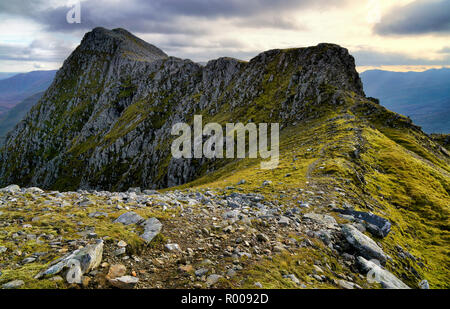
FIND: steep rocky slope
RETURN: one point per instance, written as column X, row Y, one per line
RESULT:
column 356, row 183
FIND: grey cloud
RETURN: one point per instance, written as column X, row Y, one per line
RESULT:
column 233, row 8
column 166, row 16
column 204, row 49
column 135, row 18
column 21, row 7
column 171, row 18
column 419, row 17
column 188, row 42
column 206, row 55
column 38, row 50
column 270, row 21
column 376, row 58
column 445, row 50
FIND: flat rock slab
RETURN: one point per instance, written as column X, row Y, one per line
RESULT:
column 152, row 227
column 10, row 189
column 326, row 220
column 13, row 284
column 212, row 279
column 347, row 285
column 376, row 225
column 363, row 244
column 284, row 221
column 129, row 218
column 293, row 278
column 124, row 282
column 80, row 261
column 172, row 247
column 378, row 274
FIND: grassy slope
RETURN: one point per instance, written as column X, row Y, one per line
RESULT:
column 395, row 176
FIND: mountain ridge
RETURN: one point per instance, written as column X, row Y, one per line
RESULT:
column 5, row 75
column 114, row 67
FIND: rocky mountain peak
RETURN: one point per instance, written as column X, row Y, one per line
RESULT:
column 120, row 41
column 326, row 63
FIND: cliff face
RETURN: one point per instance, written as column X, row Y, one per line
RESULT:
column 105, row 121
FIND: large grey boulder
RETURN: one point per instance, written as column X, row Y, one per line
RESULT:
column 152, row 227
column 376, row 225
column 13, row 284
column 77, row 263
column 376, row 273
column 363, row 244
column 129, row 218
column 34, row 190
column 124, row 282
column 10, row 189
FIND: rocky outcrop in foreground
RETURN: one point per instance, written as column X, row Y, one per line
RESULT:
column 189, row 238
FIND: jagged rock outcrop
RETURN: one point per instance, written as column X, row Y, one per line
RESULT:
column 105, row 122
column 380, row 275
column 363, row 244
column 78, row 263
column 376, row 225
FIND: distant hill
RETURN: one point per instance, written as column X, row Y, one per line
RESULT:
column 17, row 88
column 5, row 75
column 16, row 114
column 423, row 96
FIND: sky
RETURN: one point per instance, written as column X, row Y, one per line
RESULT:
column 400, row 35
